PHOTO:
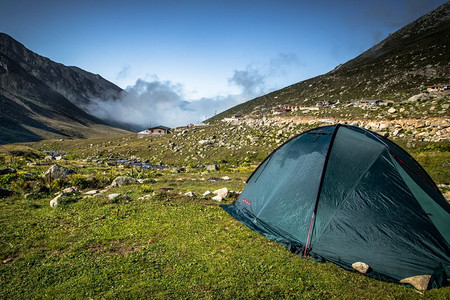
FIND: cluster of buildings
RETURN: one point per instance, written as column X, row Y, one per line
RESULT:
column 438, row 88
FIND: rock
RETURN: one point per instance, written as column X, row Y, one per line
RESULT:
column 206, row 193
column 190, row 194
column 204, row 142
column 69, row 190
column 225, row 178
column 8, row 260
column 57, row 171
column 217, row 198
column 5, row 193
column 123, row 180
column 361, row 267
column 7, row 171
column 145, row 197
column 54, row 201
column 113, row 196
column 420, row 282
column 92, row 192
column 392, row 110
column 214, row 179
column 396, row 132
column 212, row 167
column 29, row 195
column 223, row 192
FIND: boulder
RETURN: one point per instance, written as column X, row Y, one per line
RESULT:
column 57, row 171
column 69, row 190
column 392, row 110
column 212, row 167
column 123, row 180
column 204, row 142
column 420, row 282
column 361, row 267
column 113, row 196
column 223, row 192
column 54, row 201
column 217, row 198
column 92, row 192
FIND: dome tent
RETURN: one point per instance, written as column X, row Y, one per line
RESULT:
column 349, row 196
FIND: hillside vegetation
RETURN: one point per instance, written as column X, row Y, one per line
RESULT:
column 157, row 236
column 399, row 67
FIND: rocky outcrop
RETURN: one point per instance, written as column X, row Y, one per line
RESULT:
column 57, row 171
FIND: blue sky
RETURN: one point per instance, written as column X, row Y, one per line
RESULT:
column 206, row 49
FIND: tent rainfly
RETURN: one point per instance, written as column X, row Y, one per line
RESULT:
column 347, row 195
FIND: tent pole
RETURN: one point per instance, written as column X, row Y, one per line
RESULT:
column 322, row 177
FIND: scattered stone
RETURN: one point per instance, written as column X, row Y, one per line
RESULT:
column 7, row 171
column 225, row 178
column 420, row 282
column 392, row 110
column 57, row 171
column 212, row 168
column 113, row 196
column 361, row 267
column 8, row 260
column 92, row 192
column 217, row 198
column 54, row 201
column 145, row 197
column 204, row 142
column 223, row 192
column 29, row 195
column 206, row 193
column 190, row 194
column 214, row 179
column 69, row 190
column 123, row 180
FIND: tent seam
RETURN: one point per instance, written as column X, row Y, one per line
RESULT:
column 352, row 189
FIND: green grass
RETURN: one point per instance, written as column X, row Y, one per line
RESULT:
column 167, row 245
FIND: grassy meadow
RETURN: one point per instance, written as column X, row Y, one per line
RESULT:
column 154, row 241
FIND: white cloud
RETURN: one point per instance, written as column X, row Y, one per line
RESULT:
column 156, row 102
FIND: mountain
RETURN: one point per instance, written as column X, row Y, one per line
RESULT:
column 42, row 99
column 400, row 66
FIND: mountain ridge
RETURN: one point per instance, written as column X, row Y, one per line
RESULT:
column 41, row 99
column 400, row 66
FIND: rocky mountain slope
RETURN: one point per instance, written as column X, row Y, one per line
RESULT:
column 41, row 99
column 397, row 68
column 75, row 84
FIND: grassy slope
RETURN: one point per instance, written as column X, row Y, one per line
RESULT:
column 165, row 246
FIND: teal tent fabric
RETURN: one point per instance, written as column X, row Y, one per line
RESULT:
column 344, row 194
